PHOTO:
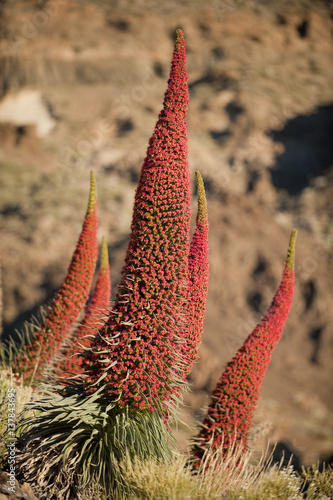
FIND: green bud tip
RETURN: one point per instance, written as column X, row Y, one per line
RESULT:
column 104, row 254
column 202, row 202
column 179, row 35
column 291, row 251
column 93, row 193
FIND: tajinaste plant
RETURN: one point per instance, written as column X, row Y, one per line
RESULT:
column 135, row 367
column 234, row 400
column 136, row 357
column 95, row 316
column 120, row 406
column 36, row 358
column 198, row 281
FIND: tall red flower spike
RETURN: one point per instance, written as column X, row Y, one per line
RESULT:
column 96, row 314
column 37, row 357
column 198, row 280
column 235, row 398
column 136, row 357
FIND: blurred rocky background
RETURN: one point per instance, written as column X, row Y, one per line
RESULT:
column 81, row 85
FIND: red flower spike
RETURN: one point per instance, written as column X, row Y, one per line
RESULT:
column 96, row 314
column 236, row 395
column 198, row 279
column 37, row 357
column 136, row 356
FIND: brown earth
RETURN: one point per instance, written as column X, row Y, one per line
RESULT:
column 260, row 122
column 11, row 489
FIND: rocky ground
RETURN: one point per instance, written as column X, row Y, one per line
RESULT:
column 82, row 83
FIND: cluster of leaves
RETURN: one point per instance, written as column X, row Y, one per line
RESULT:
column 131, row 362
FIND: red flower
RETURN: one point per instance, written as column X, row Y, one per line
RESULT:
column 37, row 357
column 136, row 355
column 236, row 395
column 198, row 281
column 95, row 316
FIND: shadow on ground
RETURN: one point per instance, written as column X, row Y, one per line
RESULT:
column 308, row 153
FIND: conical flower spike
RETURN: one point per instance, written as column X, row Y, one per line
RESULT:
column 135, row 357
column 235, row 398
column 37, row 357
column 94, row 318
column 198, row 279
